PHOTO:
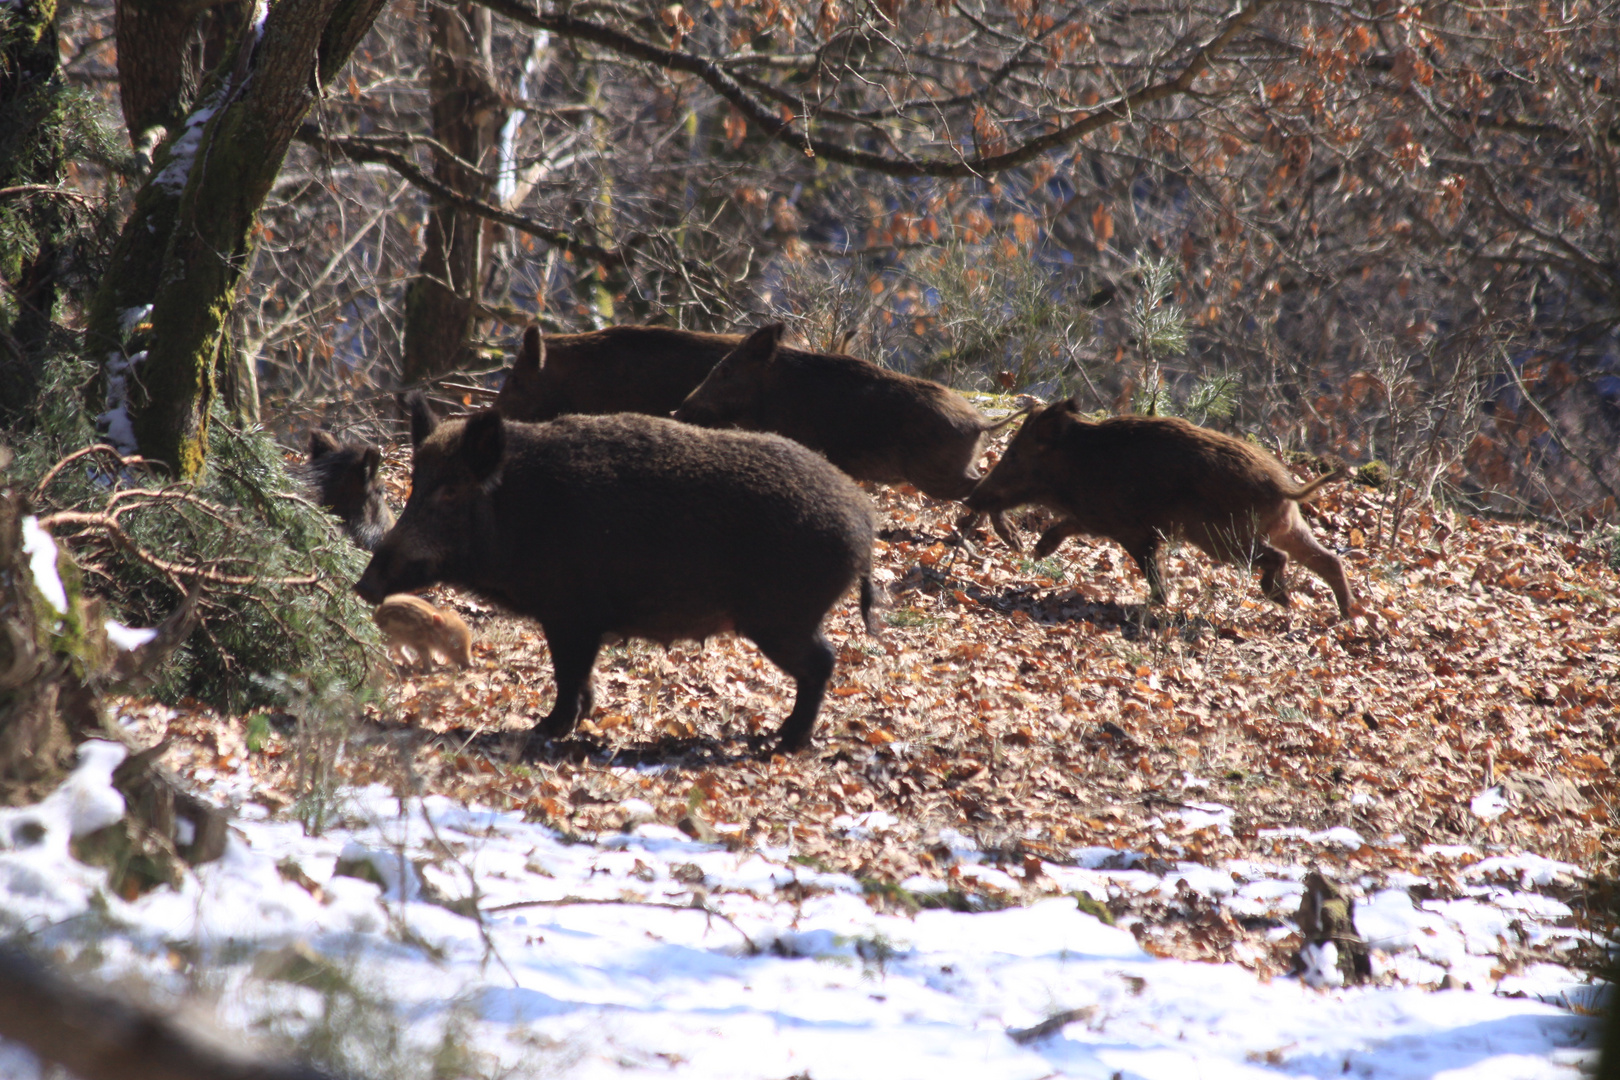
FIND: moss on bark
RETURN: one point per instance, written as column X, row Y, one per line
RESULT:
column 183, row 250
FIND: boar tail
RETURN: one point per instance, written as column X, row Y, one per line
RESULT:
column 869, row 606
column 1311, row 488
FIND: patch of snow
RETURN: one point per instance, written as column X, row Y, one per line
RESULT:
column 1205, row 815
column 131, row 317
column 183, row 153
column 1321, row 965
column 865, row 826
column 127, row 638
column 837, row 990
column 1532, row 870
column 40, row 547
column 638, row 810
column 1341, row 836
column 1490, row 804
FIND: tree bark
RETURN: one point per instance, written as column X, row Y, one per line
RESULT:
column 29, row 79
column 165, row 47
column 162, row 308
column 468, row 111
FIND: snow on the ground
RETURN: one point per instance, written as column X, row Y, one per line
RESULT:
column 704, row 961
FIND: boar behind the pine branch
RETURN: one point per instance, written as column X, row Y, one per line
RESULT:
column 634, row 526
column 344, row 476
column 1142, row 480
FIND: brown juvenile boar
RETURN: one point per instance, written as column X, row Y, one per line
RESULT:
column 1139, row 480
column 429, row 634
column 872, row 423
column 641, row 369
column 344, row 476
column 635, row 526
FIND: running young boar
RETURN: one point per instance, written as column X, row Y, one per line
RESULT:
column 635, row 526
column 874, row 424
column 641, row 369
column 1139, row 480
column 344, row 476
column 429, row 634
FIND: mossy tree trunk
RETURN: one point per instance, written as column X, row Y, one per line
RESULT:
column 163, row 306
column 165, row 47
column 32, row 216
column 441, row 303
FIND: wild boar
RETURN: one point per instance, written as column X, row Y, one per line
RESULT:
column 1140, row 480
column 873, row 424
column 428, row 634
column 640, row 369
column 634, row 526
column 344, row 476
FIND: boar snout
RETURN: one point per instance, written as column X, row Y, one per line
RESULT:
column 370, row 589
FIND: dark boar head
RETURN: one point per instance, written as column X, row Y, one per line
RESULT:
column 735, row 391
column 523, row 394
column 446, row 523
column 344, row 476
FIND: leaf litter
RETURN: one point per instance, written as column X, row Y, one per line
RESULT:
column 1023, row 731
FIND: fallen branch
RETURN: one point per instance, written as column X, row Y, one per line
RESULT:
column 699, row 903
column 97, row 1036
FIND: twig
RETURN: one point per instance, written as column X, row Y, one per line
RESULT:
column 1053, row 1023
column 98, row 448
column 698, row 904
column 1552, row 430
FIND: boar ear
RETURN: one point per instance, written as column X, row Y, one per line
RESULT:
column 1070, row 405
column 322, row 442
column 760, row 346
column 370, row 461
column 532, row 357
column 483, row 443
column 423, row 421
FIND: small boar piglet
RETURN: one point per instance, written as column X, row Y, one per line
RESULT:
column 419, row 634
column 640, row 369
column 1140, row 480
column 634, row 526
column 344, row 476
column 872, row 423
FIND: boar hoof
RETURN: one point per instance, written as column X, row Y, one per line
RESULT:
column 553, row 727
column 790, row 742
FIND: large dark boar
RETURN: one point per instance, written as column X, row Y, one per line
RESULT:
column 633, row 525
column 874, row 424
column 344, row 476
column 1139, row 480
column 640, row 369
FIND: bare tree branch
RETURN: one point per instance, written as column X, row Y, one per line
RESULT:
column 726, row 85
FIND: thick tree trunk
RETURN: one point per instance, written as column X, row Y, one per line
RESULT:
column 30, row 161
column 158, row 319
column 468, row 112
column 165, row 47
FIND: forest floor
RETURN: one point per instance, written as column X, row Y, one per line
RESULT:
column 1017, row 723
column 1043, row 830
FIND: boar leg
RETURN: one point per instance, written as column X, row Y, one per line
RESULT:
column 1295, row 538
column 998, row 521
column 1145, row 550
column 809, row 659
column 1272, row 564
column 572, row 657
column 1055, row 535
